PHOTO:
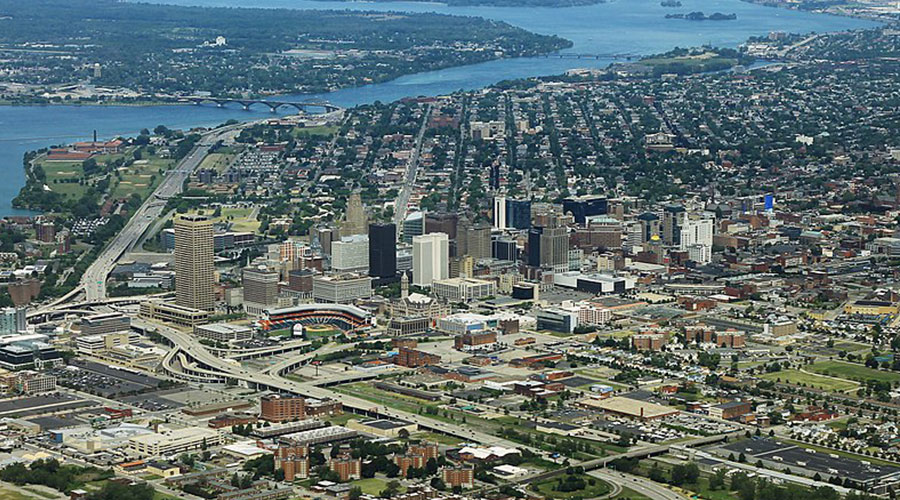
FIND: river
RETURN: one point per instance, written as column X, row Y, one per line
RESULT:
column 616, row 27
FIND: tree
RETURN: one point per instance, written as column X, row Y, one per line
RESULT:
column 355, row 493
column 438, row 484
column 717, row 482
column 656, row 474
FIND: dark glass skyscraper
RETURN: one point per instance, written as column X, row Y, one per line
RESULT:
column 534, row 246
column 582, row 208
column 383, row 252
column 518, row 214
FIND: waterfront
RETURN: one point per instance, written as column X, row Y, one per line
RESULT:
column 633, row 27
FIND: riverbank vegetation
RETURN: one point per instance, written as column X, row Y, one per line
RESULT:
column 697, row 60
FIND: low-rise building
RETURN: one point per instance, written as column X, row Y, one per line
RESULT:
column 462, row 289
column 174, row 441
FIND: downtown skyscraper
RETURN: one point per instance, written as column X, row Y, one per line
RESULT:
column 194, row 268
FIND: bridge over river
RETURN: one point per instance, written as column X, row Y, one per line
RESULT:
column 273, row 105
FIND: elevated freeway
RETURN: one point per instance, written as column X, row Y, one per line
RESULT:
column 93, row 282
column 190, row 360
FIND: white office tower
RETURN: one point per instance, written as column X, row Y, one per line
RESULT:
column 431, row 258
column 697, row 239
column 351, row 254
column 500, row 212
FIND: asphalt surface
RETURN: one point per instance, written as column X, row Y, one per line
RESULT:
column 412, row 170
column 638, row 484
column 196, row 351
column 93, row 282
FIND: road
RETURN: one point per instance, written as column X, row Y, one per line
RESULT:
column 412, row 170
column 191, row 347
column 93, row 282
column 641, row 485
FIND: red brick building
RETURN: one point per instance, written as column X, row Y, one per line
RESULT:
column 648, row 342
column 404, row 462
column 473, row 340
column 413, row 358
column 463, row 476
column 397, row 343
column 699, row 333
column 278, row 408
column 347, row 467
column 732, row 339
column 294, row 461
column 231, row 419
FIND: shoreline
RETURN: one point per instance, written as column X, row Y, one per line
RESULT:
column 777, row 4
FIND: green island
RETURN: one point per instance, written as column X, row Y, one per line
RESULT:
column 683, row 61
column 73, row 51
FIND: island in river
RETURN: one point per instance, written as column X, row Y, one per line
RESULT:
column 700, row 16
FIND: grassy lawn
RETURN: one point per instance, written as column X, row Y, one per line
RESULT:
column 599, row 488
column 629, row 494
column 63, row 176
column 40, row 493
column 158, row 495
column 696, row 62
column 393, row 400
column 491, row 426
column 796, row 377
column 295, row 377
column 433, row 437
column 319, row 131
column 851, row 371
column 343, row 419
column 237, row 216
column 701, row 489
column 142, row 177
column 216, row 161
column 7, row 493
column 373, row 485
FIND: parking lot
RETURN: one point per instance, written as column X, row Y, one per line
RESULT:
column 797, row 457
column 104, row 380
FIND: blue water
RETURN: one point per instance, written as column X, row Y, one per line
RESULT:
column 617, row 27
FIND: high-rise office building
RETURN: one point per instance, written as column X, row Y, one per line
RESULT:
column 413, row 225
column 518, row 214
column 383, row 252
column 505, row 250
column 650, row 226
column 673, row 220
column 473, row 240
column 12, row 320
column 696, row 232
column 431, row 258
column 194, row 268
column 582, row 208
column 355, row 220
column 548, row 248
column 500, row 212
column 697, row 239
column 324, row 237
column 351, row 254
column 260, row 289
column 442, row 222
